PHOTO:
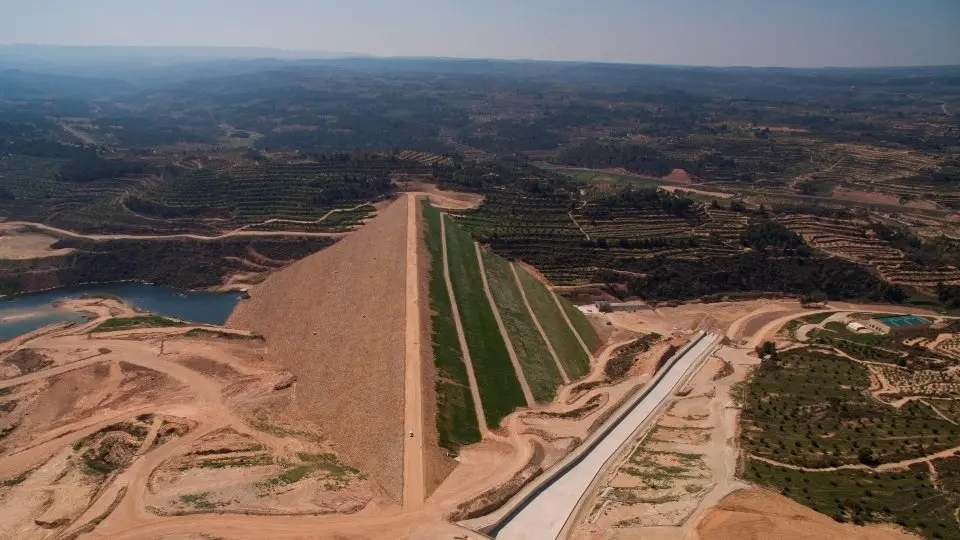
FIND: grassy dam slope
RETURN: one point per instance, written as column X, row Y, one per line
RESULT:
column 572, row 356
column 538, row 366
column 582, row 325
column 500, row 390
column 456, row 416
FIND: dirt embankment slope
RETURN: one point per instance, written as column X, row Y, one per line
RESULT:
column 337, row 320
column 756, row 514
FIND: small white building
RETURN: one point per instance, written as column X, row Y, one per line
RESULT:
column 859, row 328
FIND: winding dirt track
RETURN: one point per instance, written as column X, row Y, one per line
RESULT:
column 414, row 490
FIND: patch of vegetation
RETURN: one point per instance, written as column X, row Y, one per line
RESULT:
column 234, row 461
column 907, row 498
column 138, row 321
column 336, row 474
column 618, row 366
column 500, row 391
column 539, row 367
column 260, row 420
column 572, row 356
column 206, row 333
column 6, row 431
column 815, row 318
column 198, row 500
column 28, row 361
column 580, row 323
column 180, row 263
column 456, row 415
column 813, row 409
column 16, row 480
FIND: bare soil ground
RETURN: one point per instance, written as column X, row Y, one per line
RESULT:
column 679, row 176
column 681, row 466
column 152, row 434
column 873, row 197
column 717, row 194
column 336, row 320
column 452, row 200
column 755, row 514
column 155, row 423
column 18, row 244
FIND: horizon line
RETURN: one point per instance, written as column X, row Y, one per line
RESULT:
column 341, row 55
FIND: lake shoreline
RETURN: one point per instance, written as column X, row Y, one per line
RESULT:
column 30, row 311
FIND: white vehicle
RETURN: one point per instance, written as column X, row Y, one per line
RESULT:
column 411, row 434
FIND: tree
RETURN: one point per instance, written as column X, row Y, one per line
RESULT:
column 815, row 298
column 768, row 355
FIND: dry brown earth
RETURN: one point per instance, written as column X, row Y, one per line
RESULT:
column 337, row 321
column 759, row 515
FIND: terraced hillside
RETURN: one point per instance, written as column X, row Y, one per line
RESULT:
column 860, row 427
column 512, row 352
column 287, row 196
column 858, row 240
column 570, row 240
column 206, row 195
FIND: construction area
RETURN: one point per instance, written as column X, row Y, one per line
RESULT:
column 402, row 383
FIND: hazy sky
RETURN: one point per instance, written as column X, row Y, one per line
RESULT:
column 697, row 32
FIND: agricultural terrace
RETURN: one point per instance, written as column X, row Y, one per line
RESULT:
column 570, row 240
column 297, row 194
column 907, row 497
column 807, row 412
column 539, row 368
column 813, row 409
column 572, row 357
column 864, row 243
column 456, row 415
column 500, row 391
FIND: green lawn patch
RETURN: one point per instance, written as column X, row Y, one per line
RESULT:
column 815, row 318
column 456, row 415
column 538, row 366
column 572, row 356
column 138, row 321
column 500, row 391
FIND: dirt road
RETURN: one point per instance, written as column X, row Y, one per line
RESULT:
column 414, row 490
column 105, row 237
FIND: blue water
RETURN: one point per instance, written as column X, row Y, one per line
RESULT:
column 198, row 307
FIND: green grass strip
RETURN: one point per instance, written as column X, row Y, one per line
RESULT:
column 497, row 381
column 139, row 321
column 572, row 355
column 456, row 415
column 538, row 366
column 586, row 330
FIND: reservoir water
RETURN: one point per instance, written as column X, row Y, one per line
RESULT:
column 21, row 314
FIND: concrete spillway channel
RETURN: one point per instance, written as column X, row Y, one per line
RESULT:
column 541, row 510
